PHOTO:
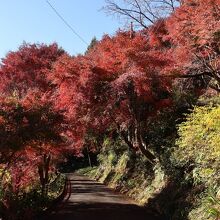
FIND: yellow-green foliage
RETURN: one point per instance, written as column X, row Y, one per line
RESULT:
column 199, row 144
column 198, row 148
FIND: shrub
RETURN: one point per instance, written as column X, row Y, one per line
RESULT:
column 199, row 145
column 197, row 152
column 30, row 202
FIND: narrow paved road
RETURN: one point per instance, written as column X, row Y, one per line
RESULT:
column 90, row 200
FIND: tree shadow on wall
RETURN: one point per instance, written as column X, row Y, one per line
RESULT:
column 175, row 200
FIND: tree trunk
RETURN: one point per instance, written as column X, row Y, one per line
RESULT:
column 43, row 171
column 138, row 138
column 89, row 159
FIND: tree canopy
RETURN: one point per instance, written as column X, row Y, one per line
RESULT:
column 52, row 103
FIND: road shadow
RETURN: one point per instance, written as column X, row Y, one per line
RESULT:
column 88, row 200
column 102, row 211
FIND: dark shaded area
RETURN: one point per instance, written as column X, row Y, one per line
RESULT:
column 73, row 163
column 176, row 200
column 91, row 200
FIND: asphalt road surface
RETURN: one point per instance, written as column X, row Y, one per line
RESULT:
column 90, row 200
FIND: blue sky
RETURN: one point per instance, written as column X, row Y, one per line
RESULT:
column 34, row 21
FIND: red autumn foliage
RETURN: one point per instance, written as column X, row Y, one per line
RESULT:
column 30, row 128
column 55, row 102
column 99, row 97
column 27, row 68
column 193, row 30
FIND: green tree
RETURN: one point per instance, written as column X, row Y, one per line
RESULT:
column 92, row 44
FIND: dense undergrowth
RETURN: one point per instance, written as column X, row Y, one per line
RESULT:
column 184, row 182
column 30, row 203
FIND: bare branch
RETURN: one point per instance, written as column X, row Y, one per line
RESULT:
column 142, row 12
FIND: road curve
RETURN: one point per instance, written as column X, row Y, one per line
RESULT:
column 88, row 200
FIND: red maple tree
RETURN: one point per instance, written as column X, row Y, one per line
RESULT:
column 27, row 68
column 193, row 30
